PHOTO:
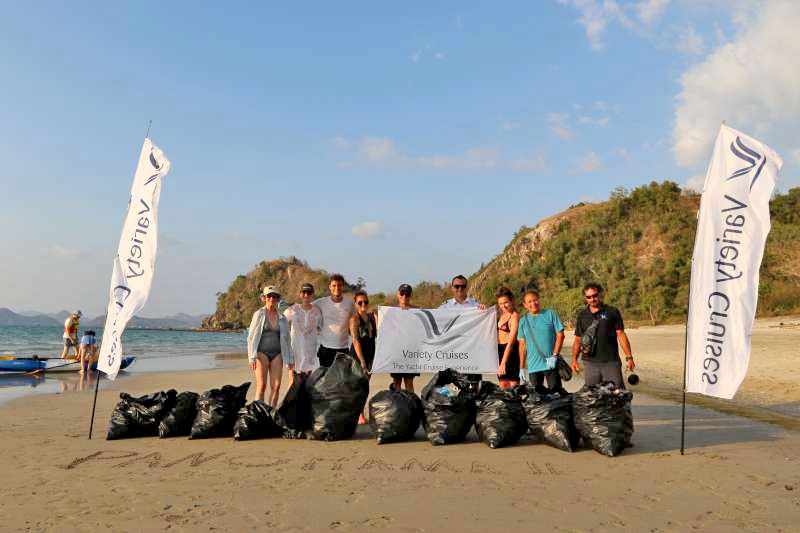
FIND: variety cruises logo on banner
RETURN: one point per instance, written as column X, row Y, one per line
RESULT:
column 732, row 230
column 430, row 340
column 136, row 255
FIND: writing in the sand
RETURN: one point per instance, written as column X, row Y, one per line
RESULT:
column 718, row 301
column 131, row 459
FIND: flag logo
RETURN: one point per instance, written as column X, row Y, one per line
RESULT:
column 432, row 333
column 749, row 156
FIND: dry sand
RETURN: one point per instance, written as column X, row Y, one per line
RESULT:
column 737, row 474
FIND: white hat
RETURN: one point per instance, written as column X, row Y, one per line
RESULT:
column 270, row 289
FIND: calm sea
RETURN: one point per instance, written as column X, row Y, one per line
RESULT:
column 155, row 350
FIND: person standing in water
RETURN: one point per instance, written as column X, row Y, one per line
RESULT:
column 71, row 334
column 268, row 345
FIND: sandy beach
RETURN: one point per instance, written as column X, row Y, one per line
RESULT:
column 737, row 474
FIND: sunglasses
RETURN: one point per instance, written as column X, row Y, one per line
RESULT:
column 362, row 302
column 306, row 292
column 273, row 297
column 404, row 293
column 592, row 296
column 459, row 286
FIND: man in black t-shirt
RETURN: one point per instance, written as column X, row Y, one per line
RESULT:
column 602, row 362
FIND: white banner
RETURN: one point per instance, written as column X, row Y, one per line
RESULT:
column 732, row 230
column 132, row 275
column 429, row 340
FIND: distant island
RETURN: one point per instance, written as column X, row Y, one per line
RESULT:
column 34, row 318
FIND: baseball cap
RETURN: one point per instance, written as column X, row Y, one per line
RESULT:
column 270, row 289
column 405, row 287
column 307, row 287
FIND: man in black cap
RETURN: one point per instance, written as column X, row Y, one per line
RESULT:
column 404, row 292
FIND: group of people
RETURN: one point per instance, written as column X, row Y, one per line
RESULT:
column 86, row 349
column 310, row 333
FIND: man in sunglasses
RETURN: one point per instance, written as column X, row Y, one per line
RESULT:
column 460, row 299
column 599, row 328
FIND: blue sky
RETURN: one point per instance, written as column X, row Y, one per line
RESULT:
column 397, row 143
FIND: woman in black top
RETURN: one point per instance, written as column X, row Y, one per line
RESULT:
column 363, row 332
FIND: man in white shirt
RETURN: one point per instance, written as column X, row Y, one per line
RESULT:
column 334, row 336
column 460, row 299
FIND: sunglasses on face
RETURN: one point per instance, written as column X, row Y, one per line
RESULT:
column 362, row 302
column 306, row 292
column 273, row 297
column 459, row 286
column 592, row 296
column 404, row 293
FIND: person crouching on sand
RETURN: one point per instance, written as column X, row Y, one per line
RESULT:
column 88, row 350
column 268, row 345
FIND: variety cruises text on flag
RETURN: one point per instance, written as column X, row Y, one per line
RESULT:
column 430, row 340
column 132, row 275
column 732, row 229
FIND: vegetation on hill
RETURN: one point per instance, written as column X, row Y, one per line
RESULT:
column 235, row 307
column 638, row 244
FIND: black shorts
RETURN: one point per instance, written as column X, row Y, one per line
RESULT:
column 512, row 367
column 327, row 355
column 397, row 375
column 69, row 343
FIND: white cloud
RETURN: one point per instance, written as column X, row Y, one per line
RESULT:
column 689, row 41
column 59, row 251
column 367, row 230
column 384, row 151
column 596, row 15
column 695, row 183
column 559, row 124
column 587, row 163
column 378, row 148
column 650, row 11
column 750, row 82
column 600, row 122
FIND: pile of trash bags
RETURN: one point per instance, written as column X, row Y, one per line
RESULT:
column 217, row 411
column 139, row 417
column 550, row 420
column 295, row 410
column 395, row 415
column 257, row 420
column 500, row 419
column 603, row 417
column 449, row 407
column 337, row 395
column 178, row 420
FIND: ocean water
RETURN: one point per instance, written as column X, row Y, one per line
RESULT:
column 45, row 341
column 155, row 350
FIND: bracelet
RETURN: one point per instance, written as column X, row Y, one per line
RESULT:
column 629, row 358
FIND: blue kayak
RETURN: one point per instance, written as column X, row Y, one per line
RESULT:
column 29, row 364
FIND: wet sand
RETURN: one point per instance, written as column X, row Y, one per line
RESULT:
column 737, row 474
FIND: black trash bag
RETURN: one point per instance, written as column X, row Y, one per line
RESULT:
column 256, row 421
column 295, row 410
column 395, row 415
column 337, row 394
column 603, row 417
column 500, row 419
column 550, row 420
column 179, row 419
column 217, row 410
column 139, row 417
column 448, row 407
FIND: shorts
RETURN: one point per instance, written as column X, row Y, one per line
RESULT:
column 69, row 343
column 397, row 375
column 601, row 372
column 512, row 367
column 327, row 355
column 553, row 382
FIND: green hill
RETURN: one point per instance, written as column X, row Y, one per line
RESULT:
column 637, row 244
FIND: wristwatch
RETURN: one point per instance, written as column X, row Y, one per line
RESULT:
column 629, row 357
